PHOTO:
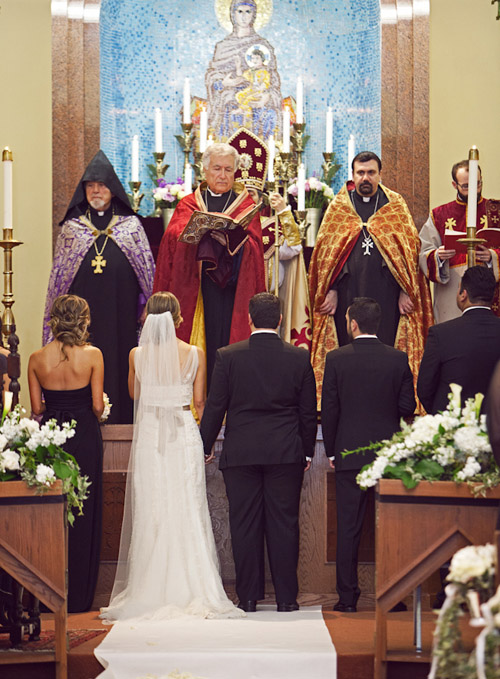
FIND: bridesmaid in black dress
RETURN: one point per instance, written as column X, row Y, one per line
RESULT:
column 66, row 382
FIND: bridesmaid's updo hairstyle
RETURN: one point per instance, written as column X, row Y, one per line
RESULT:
column 69, row 320
column 161, row 302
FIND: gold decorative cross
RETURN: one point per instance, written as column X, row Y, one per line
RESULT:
column 98, row 262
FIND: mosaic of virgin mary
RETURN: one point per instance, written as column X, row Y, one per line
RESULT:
column 242, row 80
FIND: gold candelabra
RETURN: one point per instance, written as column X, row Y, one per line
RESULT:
column 327, row 163
column 186, row 141
column 8, row 322
column 159, row 166
column 302, row 223
column 298, row 140
column 198, row 167
column 136, row 195
column 471, row 240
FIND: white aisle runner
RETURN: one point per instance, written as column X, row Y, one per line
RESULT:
column 264, row 645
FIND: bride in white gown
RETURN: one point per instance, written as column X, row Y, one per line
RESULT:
column 167, row 563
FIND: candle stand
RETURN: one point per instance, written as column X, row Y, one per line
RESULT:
column 160, row 168
column 186, row 141
column 299, row 140
column 136, row 195
column 8, row 322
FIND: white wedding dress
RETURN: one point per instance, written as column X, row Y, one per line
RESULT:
column 168, row 564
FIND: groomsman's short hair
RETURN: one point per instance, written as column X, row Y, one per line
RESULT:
column 265, row 310
column 366, row 312
column 479, row 282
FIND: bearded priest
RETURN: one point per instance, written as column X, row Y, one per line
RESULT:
column 368, row 246
column 102, row 254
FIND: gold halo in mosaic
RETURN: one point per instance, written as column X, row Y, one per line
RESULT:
column 264, row 13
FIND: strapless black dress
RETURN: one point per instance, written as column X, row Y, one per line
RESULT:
column 84, row 537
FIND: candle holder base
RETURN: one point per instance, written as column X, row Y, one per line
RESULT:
column 136, row 197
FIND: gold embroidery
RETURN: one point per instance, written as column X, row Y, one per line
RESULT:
column 484, row 221
column 258, row 152
column 259, row 167
column 450, row 223
column 243, row 143
column 265, row 240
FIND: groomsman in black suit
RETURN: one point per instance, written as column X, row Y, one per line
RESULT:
column 367, row 388
column 266, row 389
column 464, row 350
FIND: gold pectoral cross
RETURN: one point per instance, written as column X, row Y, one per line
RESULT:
column 98, row 262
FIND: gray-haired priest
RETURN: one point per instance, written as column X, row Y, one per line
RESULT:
column 215, row 278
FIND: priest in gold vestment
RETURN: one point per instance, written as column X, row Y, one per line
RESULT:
column 368, row 246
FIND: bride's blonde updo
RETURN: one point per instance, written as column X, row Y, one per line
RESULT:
column 69, row 320
column 161, row 302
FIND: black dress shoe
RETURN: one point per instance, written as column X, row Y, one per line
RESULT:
column 248, row 606
column 287, row 608
column 344, row 608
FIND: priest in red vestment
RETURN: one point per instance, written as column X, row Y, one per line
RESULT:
column 214, row 280
column 445, row 267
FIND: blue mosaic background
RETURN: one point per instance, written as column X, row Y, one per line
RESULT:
column 148, row 47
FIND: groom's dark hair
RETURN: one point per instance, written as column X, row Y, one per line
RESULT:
column 265, row 310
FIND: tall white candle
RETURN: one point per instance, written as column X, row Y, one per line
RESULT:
column 203, row 129
column 300, row 100
column 135, row 158
column 351, row 152
column 472, row 196
column 188, row 179
column 329, row 131
column 158, row 131
column 186, row 108
column 7, row 188
column 272, row 152
column 301, row 185
column 286, row 130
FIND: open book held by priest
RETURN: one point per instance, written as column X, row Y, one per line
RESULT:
column 201, row 223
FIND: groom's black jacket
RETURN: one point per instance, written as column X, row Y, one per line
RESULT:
column 267, row 388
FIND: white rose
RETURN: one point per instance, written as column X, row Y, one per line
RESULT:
column 45, row 475
column 9, row 460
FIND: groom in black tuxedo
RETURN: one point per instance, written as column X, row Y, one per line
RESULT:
column 367, row 388
column 267, row 388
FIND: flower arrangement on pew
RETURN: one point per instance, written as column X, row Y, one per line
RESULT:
column 471, row 588
column 33, row 453
column 450, row 446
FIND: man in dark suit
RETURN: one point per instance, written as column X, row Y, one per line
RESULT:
column 464, row 350
column 367, row 388
column 267, row 389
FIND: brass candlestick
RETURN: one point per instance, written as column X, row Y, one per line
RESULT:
column 159, row 167
column 8, row 321
column 327, row 163
column 470, row 240
column 302, row 223
column 299, row 140
column 186, row 141
column 198, row 167
column 136, row 196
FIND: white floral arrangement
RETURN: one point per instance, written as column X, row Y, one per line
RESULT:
column 450, row 446
column 107, row 408
column 33, row 453
column 318, row 194
column 168, row 195
column 471, row 578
